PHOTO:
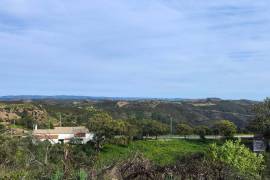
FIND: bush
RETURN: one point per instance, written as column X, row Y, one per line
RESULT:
column 239, row 157
column 184, row 129
column 120, row 140
column 225, row 128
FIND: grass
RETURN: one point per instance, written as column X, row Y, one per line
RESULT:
column 16, row 126
column 160, row 152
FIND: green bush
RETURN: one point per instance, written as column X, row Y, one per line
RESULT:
column 239, row 157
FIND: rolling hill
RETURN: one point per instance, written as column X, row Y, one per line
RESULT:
column 192, row 111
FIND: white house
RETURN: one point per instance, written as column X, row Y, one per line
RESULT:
column 64, row 134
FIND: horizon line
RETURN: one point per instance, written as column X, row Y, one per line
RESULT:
column 124, row 97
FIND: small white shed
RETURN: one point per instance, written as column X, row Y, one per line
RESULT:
column 64, row 134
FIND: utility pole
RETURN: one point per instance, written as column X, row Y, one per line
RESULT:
column 60, row 120
column 49, row 123
column 171, row 125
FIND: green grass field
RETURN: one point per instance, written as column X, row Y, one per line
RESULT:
column 160, row 152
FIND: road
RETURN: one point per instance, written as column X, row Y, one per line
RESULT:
column 194, row 137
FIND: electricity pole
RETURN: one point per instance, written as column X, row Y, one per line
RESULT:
column 60, row 120
column 49, row 123
column 171, row 125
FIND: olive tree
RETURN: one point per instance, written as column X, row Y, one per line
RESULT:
column 261, row 123
column 184, row 129
column 202, row 131
column 154, row 128
column 102, row 125
column 225, row 128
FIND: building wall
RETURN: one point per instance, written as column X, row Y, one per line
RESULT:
column 67, row 137
column 52, row 141
column 88, row 137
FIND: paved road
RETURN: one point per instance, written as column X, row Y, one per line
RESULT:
column 241, row 136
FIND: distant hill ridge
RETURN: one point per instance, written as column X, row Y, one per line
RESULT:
column 74, row 97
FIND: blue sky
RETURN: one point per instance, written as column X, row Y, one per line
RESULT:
column 132, row 48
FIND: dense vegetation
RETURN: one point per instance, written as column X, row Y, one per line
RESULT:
column 193, row 112
column 25, row 159
column 205, row 112
column 261, row 124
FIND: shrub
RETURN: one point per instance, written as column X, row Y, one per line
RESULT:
column 239, row 157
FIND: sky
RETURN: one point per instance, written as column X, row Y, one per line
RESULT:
column 136, row 48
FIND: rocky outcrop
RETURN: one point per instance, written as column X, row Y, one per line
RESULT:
column 6, row 116
column 9, row 112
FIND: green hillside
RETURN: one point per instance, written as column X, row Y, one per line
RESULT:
column 196, row 112
column 73, row 112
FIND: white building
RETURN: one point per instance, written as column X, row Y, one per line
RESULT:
column 64, row 134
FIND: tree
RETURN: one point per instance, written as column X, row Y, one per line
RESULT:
column 202, row 131
column 121, row 127
column 2, row 128
column 27, row 121
column 261, row 123
column 238, row 156
column 225, row 128
column 154, row 128
column 102, row 125
column 123, row 132
column 135, row 129
column 184, row 129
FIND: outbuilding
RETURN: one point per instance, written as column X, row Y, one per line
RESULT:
column 79, row 134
